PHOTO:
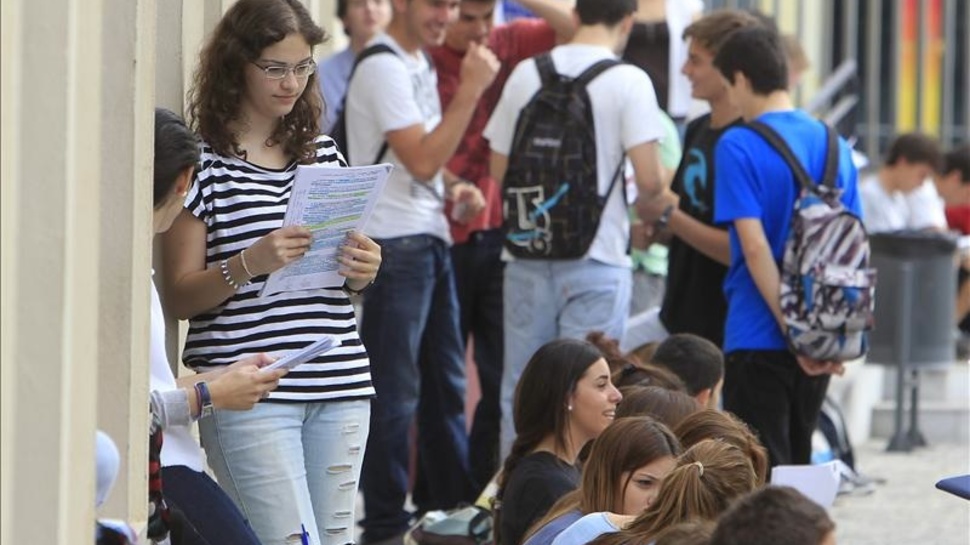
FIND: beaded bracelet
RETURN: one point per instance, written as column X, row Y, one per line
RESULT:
column 224, row 267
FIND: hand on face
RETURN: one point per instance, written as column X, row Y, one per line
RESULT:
column 479, row 68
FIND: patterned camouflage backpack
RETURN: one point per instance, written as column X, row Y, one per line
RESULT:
column 827, row 287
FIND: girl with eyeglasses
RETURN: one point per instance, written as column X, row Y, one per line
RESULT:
column 292, row 462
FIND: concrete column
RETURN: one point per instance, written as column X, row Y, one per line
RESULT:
column 51, row 203
column 126, row 231
column 10, row 173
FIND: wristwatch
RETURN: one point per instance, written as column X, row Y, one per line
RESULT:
column 664, row 218
column 204, row 397
column 351, row 291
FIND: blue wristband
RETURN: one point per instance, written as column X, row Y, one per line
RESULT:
column 205, row 399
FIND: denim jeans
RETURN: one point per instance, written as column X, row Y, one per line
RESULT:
column 479, row 273
column 290, row 466
column 214, row 518
column 410, row 328
column 548, row 300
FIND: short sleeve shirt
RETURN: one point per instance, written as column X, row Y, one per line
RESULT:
column 753, row 182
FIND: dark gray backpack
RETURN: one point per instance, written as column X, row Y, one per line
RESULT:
column 551, row 189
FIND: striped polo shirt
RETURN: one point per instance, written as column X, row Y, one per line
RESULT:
column 239, row 202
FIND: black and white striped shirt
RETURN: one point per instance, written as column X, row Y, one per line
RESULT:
column 239, row 203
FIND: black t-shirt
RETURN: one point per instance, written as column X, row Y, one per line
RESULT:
column 694, row 301
column 536, row 483
column 648, row 47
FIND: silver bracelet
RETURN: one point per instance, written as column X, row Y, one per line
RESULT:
column 242, row 259
column 224, row 267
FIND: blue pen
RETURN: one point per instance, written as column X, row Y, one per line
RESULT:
column 304, row 536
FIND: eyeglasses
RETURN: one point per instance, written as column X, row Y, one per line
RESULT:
column 276, row 71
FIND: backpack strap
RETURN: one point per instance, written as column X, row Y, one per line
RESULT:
column 546, row 68
column 370, row 51
column 595, row 70
column 801, row 175
column 831, row 158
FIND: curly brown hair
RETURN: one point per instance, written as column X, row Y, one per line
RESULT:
column 249, row 27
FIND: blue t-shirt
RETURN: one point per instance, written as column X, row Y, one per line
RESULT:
column 754, row 182
column 586, row 529
column 549, row 532
column 333, row 74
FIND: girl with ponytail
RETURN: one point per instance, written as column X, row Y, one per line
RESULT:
column 708, row 476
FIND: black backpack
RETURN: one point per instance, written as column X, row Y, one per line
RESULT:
column 550, row 192
column 339, row 131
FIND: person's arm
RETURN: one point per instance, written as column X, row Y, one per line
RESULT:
column 558, row 13
column 764, row 271
column 191, row 288
column 761, row 263
column 710, row 241
column 424, row 153
column 647, row 171
column 235, row 387
column 497, row 165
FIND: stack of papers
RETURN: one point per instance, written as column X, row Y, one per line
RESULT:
column 303, row 355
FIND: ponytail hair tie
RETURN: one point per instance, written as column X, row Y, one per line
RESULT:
column 700, row 469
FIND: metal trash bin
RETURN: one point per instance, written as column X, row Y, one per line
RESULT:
column 915, row 306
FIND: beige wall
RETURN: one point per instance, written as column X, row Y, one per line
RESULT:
column 79, row 80
column 51, row 200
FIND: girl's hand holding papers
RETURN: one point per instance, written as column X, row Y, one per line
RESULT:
column 277, row 249
column 360, row 259
column 241, row 385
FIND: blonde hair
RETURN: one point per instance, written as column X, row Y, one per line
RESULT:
column 724, row 426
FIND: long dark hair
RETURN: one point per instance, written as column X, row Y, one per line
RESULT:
column 541, row 397
column 176, row 148
column 249, row 27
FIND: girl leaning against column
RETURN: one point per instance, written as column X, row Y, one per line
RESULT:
column 291, row 463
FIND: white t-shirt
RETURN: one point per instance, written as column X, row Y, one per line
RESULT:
column 884, row 211
column 179, row 447
column 625, row 114
column 926, row 208
column 387, row 93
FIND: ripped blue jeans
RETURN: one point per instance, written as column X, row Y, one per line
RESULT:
column 291, row 466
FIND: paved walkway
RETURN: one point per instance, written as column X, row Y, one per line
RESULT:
column 907, row 509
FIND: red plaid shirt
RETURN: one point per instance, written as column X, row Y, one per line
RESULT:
column 511, row 43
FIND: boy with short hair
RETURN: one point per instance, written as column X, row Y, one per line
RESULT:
column 699, row 249
column 775, row 391
column 899, row 196
column 410, row 324
column 697, row 361
column 545, row 299
column 773, row 515
column 362, row 20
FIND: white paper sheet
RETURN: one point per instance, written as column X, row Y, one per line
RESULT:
column 330, row 201
column 819, row 482
column 297, row 357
